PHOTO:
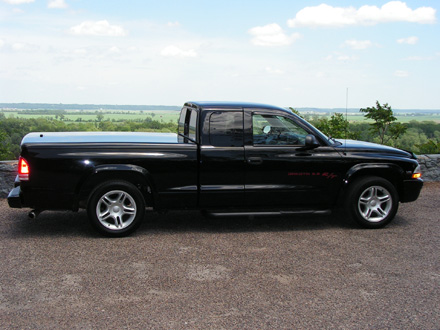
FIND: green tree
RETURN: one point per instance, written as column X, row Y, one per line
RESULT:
column 384, row 122
column 337, row 126
column 430, row 147
column 296, row 112
column 5, row 153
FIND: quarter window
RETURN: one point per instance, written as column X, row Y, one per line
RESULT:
column 226, row 129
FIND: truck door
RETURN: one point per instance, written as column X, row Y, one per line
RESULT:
column 222, row 162
column 280, row 172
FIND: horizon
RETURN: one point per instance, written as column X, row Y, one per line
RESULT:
column 282, row 52
column 150, row 107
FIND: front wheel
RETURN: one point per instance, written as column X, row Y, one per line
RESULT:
column 116, row 208
column 372, row 202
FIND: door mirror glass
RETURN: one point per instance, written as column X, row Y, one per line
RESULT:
column 266, row 129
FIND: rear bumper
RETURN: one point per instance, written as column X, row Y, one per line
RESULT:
column 411, row 190
column 14, row 198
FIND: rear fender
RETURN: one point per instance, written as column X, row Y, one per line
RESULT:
column 134, row 174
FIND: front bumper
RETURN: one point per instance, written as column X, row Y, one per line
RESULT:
column 411, row 190
column 14, row 198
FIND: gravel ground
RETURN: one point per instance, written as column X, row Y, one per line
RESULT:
column 183, row 271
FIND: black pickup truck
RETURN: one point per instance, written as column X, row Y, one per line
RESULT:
column 229, row 159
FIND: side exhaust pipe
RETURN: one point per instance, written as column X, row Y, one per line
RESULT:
column 33, row 214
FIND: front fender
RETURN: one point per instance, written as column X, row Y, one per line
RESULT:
column 388, row 171
column 379, row 169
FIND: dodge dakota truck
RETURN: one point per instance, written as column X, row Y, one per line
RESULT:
column 227, row 159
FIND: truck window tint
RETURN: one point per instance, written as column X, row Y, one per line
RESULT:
column 192, row 130
column 226, row 129
column 277, row 130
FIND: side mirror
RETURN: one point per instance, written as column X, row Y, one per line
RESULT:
column 311, row 142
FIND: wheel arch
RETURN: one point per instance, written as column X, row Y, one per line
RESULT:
column 136, row 175
column 388, row 171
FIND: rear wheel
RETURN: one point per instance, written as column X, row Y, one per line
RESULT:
column 116, row 208
column 372, row 202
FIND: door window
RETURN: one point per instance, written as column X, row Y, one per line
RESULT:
column 277, row 130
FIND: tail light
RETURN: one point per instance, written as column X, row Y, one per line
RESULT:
column 23, row 169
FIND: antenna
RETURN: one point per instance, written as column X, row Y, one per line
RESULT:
column 346, row 119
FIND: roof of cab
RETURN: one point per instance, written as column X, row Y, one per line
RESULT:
column 231, row 105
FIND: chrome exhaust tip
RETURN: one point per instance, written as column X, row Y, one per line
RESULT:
column 33, row 214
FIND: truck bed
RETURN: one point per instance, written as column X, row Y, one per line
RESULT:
column 99, row 137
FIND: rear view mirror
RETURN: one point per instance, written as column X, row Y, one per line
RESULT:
column 266, row 129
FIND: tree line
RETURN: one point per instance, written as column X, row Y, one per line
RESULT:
column 419, row 137
column 12, row 130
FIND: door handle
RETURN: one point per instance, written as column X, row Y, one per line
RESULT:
column 255, row 160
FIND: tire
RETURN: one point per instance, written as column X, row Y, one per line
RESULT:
column 116, row 208
column 372, row 202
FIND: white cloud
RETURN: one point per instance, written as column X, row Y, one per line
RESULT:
column 174, row 51
column 344, row 58
column 18, row 46
column 80, row 52
column 23, row 47
column 98, row 28
column 358, row 44
column 401, row 74
column 173, row 24
column 394, row 11
column 57, row 4
column 271, row 35
column 2, row 43
column 273, row 70
column 409, row 40
column 18, row 2
column 340, row 57
column 114, row 50
column 419, row 58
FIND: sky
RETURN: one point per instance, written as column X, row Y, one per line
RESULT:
column 302, row 53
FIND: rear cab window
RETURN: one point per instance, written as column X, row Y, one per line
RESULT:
column 188, row 125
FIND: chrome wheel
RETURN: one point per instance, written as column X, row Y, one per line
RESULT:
column 375, row 203
column 116, row 210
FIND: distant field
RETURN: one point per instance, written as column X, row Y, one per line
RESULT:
column 173, row 116
column 159, row 115
column 400, row 118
